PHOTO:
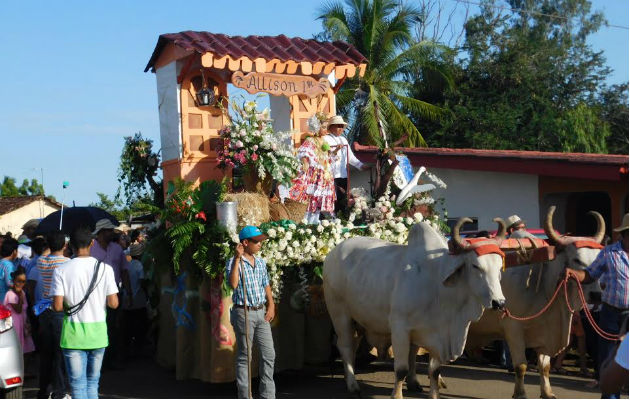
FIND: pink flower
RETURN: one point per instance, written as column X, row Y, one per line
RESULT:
column 254, row 157
column 255, row 147
column 239, row 144
column 201, row 215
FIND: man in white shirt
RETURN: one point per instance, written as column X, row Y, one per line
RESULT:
column 83, row 287
column 341, row 156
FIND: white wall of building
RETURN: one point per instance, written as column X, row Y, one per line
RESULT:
column 169, row 110
column 480, row 194
column 280, row 113
column 14, row 220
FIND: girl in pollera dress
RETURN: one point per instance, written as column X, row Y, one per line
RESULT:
column 15, row 300
column 315, row 185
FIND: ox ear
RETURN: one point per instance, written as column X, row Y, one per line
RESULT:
column 452, row 271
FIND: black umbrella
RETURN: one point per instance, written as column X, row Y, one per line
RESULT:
column 73, row 218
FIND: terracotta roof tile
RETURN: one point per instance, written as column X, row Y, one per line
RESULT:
column 575, row 165
column 8, row 204
column 267, row 47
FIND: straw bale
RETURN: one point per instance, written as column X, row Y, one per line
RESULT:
column 252, row 208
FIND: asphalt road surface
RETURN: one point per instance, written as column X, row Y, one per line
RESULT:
column 142, row 378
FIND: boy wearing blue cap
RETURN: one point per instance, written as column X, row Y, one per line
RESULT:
column 253, row 270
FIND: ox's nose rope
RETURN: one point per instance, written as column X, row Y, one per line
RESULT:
column 564, row 283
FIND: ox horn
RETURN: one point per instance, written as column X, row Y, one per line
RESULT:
column 601, row 226
column 502, row 231
column 456, row 237
column 551, row 233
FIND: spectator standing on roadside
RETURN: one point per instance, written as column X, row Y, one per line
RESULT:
column 16, row 300
column 611, row 268
column 83, row 288
column 52, row 370
column 105, row 249
column 134, row 303
column 8, row 252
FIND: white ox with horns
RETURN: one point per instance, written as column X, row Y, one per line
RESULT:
column 527, row 290
column 410, row 295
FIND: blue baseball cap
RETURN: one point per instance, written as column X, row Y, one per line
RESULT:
column 251, row 232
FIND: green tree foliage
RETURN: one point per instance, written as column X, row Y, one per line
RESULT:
column 9, row 187
column 527, row 81
column 613, row 103
column 138, row 169
column 113, row 206
column 28, row 188
column 381, row 31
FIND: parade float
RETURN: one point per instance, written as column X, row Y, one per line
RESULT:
column 223, row 160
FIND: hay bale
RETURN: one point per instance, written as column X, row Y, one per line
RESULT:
column 252, row 208
column 295, row 210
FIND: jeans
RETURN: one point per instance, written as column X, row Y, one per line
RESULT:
column 51, row 366
column 610, row 320
column 259, row 332
column 84, row 371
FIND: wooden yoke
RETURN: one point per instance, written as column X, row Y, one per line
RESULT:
column 527, row 251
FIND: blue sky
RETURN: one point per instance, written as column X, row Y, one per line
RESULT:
column 73, row 84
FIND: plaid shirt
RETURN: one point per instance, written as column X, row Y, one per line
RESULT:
column 611, row 267
column 256, row 278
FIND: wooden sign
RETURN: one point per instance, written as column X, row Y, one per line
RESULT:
column 280, row 84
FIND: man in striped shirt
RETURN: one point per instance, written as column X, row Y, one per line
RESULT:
column 253, row 271
column 611, row 268
column 51, row 368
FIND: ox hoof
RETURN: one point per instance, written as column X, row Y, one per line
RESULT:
column 519, row 396
column 441, row 383
column 547, row 396
column 355, row 391
column 414, row 386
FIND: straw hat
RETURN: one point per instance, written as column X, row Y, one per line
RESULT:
column 513, row 220
column 624, row 224
column 136, row 249
column 103, row 224
column 336, row 120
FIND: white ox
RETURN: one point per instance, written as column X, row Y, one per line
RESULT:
column 549, row 333
column 410, row 295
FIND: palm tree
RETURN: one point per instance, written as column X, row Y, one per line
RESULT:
column 381, row 31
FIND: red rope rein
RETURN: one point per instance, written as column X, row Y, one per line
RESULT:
column 565, row 283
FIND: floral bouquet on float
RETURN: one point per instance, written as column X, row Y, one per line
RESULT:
column 250, row 143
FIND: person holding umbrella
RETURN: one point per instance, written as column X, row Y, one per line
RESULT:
column 106, row 250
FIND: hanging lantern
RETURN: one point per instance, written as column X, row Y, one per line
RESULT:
column 205, row 96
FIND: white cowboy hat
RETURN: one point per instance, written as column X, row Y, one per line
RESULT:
column 513, row 220
column 336, row 120
column 623, row 226
column 103, row 224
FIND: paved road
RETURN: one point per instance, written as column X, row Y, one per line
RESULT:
column 144, row 379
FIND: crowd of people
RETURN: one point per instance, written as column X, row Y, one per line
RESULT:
column 64, row 294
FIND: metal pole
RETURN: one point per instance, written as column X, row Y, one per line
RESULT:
column 249, row 354
column 63, row 198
